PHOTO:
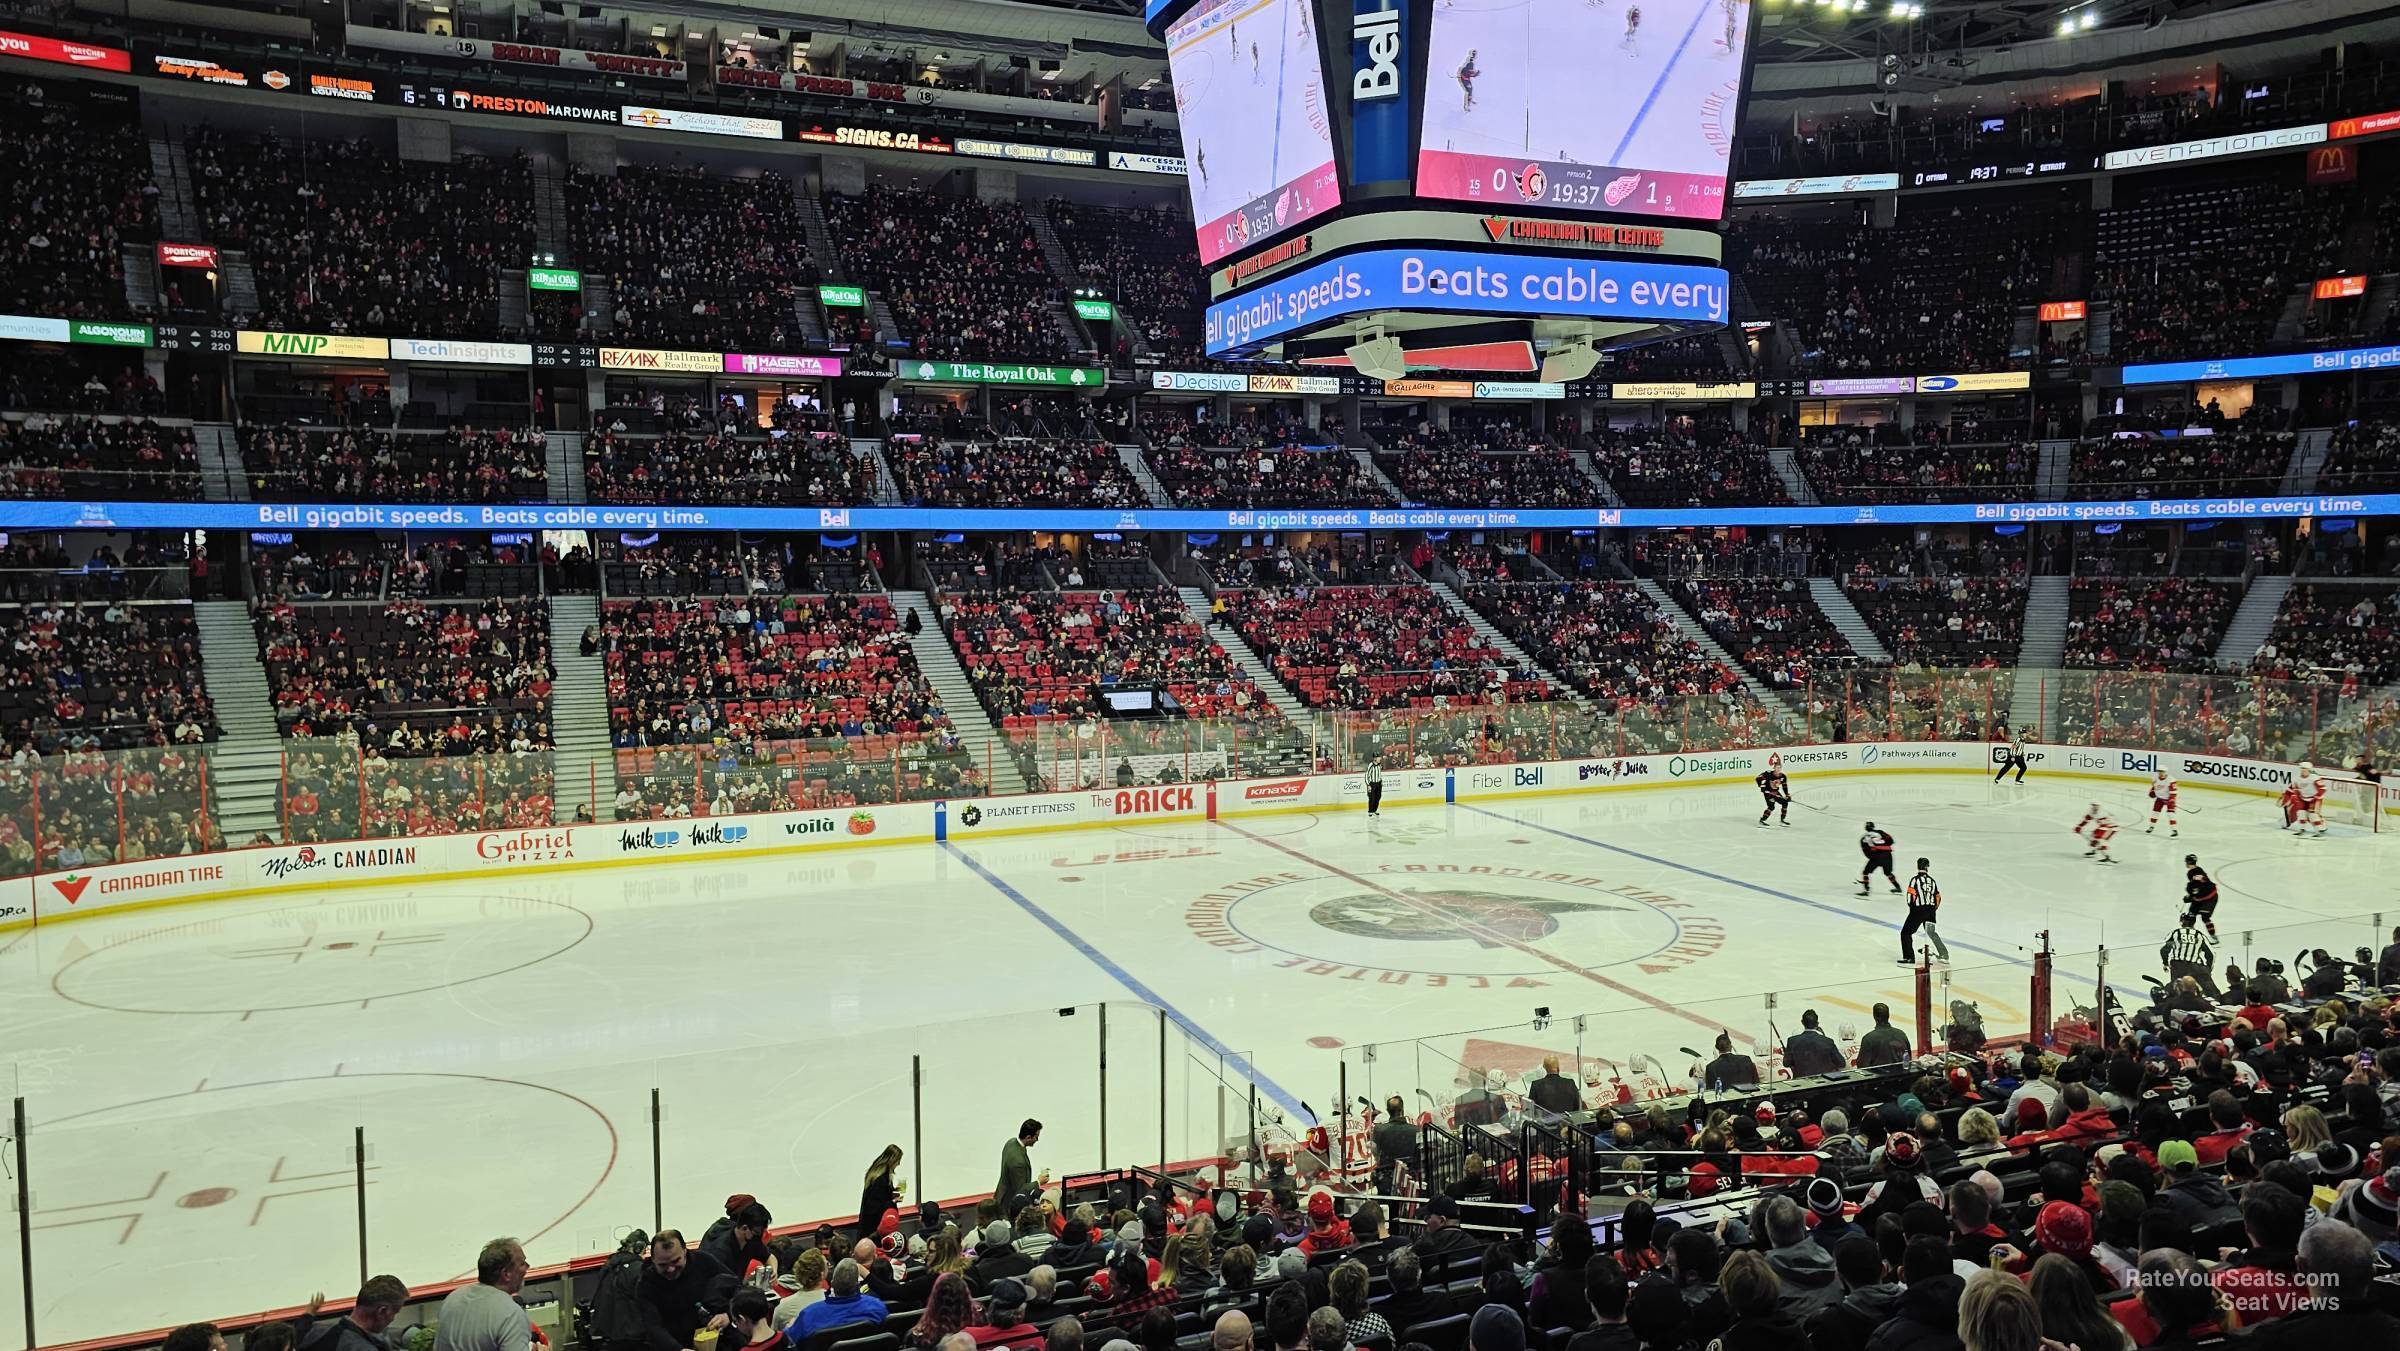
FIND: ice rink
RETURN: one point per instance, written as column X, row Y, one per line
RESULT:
column 194, row 1075
column 1671, row 84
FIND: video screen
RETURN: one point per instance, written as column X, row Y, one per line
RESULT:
column 1255, row 132
column 1593, row 105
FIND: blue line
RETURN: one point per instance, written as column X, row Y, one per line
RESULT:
column 1747, row 885
column 1235, row 1059
column 1644, row 111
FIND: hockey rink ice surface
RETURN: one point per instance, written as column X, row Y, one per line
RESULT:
column 1672, row 85
column 193, row 1074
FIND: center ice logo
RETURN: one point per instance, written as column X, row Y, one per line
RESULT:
column 1490, row 919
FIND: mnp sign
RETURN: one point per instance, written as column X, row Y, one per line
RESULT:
column 1381, row 57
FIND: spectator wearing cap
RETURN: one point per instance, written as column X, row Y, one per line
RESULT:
column 1326, row 1231
column 2197, row 1199
column 1822, row 1196
column 1903, row 1182
column 998, row 1257
column 2087, row 1122
column 1442, row 1233
column 1810, row 1051
column 1004, row 1316
column 1869, row 1298
column 1073, row 1247
column 843, row 1305
column 739, row 1237
column 1495, row 1327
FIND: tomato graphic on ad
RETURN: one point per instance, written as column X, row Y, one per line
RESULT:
column 862, row 823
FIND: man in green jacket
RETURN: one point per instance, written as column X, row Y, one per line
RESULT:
column 1016, row 1170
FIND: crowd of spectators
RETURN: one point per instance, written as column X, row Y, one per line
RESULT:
column 346, row 237
column 1892, row 299
column 1942, row 621
column 100, row 459
column 1721, row 553
column 337, row 788
column 1686, row 464
column 2201, row 268
column 2146, row 623
column 357, row 464
column 1009, row 472
column 411, row 677
column 2342, row 635
column 102, row 675
column 963, row 277
column 1772, row 626
column 1378, row 647
column 1607, row 639
column 1146, row 261
column 1255, row 474
column 1038, row 656
column 1883, row 464
column 694, row 259
column 817, row 469
column 2362, row 457
column 1244, row 564
column 2238, row 461
column 1493, row 465
column 309, row 568
column 75, row 185
column 662, row 564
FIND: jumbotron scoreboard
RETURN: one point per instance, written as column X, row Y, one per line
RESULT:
column 1473, row 185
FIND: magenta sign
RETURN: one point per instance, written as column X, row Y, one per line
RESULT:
column 760, row 363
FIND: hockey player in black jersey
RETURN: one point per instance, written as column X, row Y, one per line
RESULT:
column 1776, row 789
column 2199, row 893
column 1877, row 846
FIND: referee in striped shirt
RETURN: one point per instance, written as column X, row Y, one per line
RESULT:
column 2187, row 953
column 1924, row 905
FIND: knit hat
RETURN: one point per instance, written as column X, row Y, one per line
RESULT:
column 888, row 1225
column 2334, row 1161
column 1496, row 1327
column 2176, row 1155
column 1290, row 1263
column 738, row 1201
column 1824, row 1196
column 2373, row 1206
column 1128, row 1232
column 2031, row 1114
column 1320, row 1206
column 996, row 1234
column 1901, row 1150
column 2121, row 1203
column 2064, row 1228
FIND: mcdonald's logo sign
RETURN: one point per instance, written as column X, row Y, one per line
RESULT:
column 2333, row 164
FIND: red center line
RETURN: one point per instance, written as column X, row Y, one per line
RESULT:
column 1494, row 936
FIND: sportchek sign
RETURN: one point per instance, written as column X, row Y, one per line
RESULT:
column 187, row 255
column 31, row 47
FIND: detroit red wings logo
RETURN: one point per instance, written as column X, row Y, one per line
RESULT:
column 1619, row 189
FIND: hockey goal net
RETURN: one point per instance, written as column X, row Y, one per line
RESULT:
column 2349, row 801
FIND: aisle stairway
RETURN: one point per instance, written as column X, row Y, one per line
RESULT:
column 563, row 456
column 584, row 766
column 1786, row 462
column 1608, row 490
column 1847, row 620
column 1485, row 630
column 1131, row 458
column 1298, row 714
column 1698, row 633
column 2308, row 460
column 949, row 680
column 2033, row 708
column 1382, row 479
column 2056, row 465
column 221, row 475
column 245, row 764
column 2252, row 620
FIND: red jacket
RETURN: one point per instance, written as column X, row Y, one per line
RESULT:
column 2092, row 1123
column 2214, row 1146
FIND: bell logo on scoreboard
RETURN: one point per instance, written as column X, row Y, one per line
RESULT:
column 1376, row 35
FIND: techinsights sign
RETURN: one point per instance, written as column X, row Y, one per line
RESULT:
column 1463, row 280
